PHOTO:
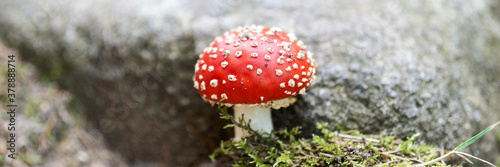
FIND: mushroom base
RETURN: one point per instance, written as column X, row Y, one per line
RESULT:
column 260, row 119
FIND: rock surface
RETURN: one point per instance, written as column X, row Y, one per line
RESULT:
column 391, row 67
column 47, row 132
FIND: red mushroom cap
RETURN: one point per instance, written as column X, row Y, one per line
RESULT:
column 254, row 65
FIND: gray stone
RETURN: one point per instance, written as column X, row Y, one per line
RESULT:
column 391, row 67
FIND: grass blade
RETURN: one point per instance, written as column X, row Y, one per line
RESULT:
column 473, row 139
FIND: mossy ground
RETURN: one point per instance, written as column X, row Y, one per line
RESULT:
column 330, row 148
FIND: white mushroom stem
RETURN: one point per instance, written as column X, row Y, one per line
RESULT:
column 261, row 120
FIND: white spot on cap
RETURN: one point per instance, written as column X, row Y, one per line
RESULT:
column 304, row 73
column 282, row 52
column 231, row 78
column 200, row 77
column 204, row 67
column 213, row 56
column 287, row 46
column 269, row 32
column 236, row 43
column 261, row 98
column 253, row 44
column 223, row 81
column 224, row 64
column 267, row 57
column 196, row 68
column 281, row 44
column 299, row 84
column 214, row 96
column 280, row 61
column 291, row 37
column 210, row 68
column 295, row 66
column 214, row 50
column 274, row 29
column 302, row 67
column 226, row 53
column 238, row 53
column 279, row 72
column 213, row 83
column 263, row 38
column 202, row 86
column 288, row 68
column 301, row 44
column 304, row 79
column 196, row 85
column 207, row 49
column 296, row 76
column 289, row 59
column 301, row 55
column 250, row 67
column 282, row 85
column 259, row 71
column 228, row 40
column 243, row 36
column 302, row 91
column 291, row 83
column 224, row 96
column 270, row 50
column 254, row 54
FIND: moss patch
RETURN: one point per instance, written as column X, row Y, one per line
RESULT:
column 330, row 148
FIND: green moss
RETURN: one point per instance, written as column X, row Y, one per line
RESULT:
column 282, row 148
column 29, row 109
column 31, row 159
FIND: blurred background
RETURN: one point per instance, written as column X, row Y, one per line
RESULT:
column 109, row 83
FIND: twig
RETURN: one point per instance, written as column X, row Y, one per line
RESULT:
column 455, row 152
column 395, row 156
column 417, row 160
column 394, row 151
column 357, row 138
column 327, row 155
column 390, row 162
column 435, row 160
column 484, row 161
column 348, row 131
column 467, row 159
column 441, row 152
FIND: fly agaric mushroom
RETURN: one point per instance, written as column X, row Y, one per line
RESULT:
column 254, row 68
